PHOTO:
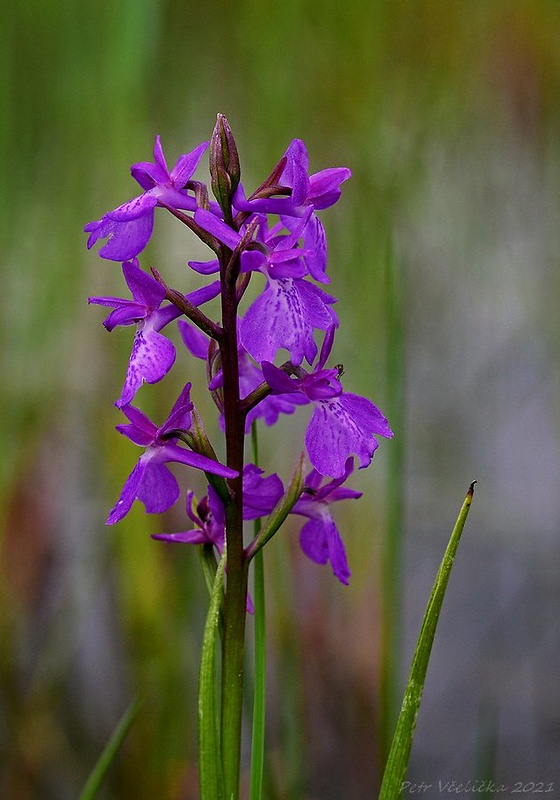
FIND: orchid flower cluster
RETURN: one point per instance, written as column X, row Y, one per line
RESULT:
column 262, row 357
column 288, row 251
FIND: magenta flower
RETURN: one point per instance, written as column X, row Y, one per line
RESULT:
column 260, row 495
column 320, row 190
column 319, row 538
column 130, row 226
column 342, row 423
column 150, row 481
column 209, row 517
column 152, row 354
column 286, row 315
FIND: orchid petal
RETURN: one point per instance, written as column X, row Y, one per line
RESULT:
column 186, row 166
column 158, row 489
column 151, row 359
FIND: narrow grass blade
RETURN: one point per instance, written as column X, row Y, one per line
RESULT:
column 110, row 752
column 209, row 751
column 399, row 753
column 259, row 667
column 259, row 689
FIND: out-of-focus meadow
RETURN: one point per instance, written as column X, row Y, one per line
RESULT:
column 444, row 257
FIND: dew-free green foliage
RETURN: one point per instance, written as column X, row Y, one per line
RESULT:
column 399, row 754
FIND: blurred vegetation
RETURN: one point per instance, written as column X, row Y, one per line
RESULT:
column 447, row 114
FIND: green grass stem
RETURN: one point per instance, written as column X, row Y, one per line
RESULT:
column 209, row 751
column 259, row 658
column 399, row 754
column 110, row 751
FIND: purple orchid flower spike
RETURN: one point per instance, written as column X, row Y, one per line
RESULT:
column 150, row 481
column 342, row 423
column 319, row 538
column 152, row 353
column 130, row 226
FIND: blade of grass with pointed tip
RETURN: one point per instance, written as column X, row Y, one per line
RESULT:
column 399, row 753
column 110, row 752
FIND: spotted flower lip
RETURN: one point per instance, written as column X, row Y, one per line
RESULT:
column 129, row 226
column 152, row 354
column 150, row 481
column 286, row 315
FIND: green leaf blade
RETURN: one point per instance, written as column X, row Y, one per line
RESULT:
column 209, row 751
column 110, row 751
column 401, row 746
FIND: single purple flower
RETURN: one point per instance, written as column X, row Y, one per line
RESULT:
column 319, row 538
column 130, row 226
column 260, row 495
column 209, row 518
column 320, row 190
column 152, row 353
column 309, row 193
column 150, row 481
column 342, row 423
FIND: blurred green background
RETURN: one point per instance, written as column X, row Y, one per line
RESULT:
column 443, row 253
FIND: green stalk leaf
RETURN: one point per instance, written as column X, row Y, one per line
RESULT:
column 259, row 678
column 110, row 751
column 209, row 753
column 399, row 753
column 259, row 672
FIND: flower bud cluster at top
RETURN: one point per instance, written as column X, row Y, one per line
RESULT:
column 276, row 232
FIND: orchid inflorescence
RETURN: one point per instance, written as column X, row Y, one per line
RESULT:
column 275, row 231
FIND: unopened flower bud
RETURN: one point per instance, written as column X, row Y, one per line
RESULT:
column 224, row 163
